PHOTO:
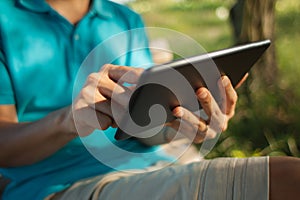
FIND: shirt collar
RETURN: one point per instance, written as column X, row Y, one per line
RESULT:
column 99, row 7
column 35, row 5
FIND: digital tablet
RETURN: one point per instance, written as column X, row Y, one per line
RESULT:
column 172, row 84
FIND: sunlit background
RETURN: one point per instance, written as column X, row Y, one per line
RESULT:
column 268, row 123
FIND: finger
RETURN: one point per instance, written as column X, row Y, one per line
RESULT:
column 104, row 106
column 91, row 94
column 123, row 73
column 132, row 87
column 112, row 109
column 95, row 100
column 231, row 96
column 118, row 112
column 104, row 121
column 90, row 91
column 242, row 81
column 205, row 100
column 114, row 91
column 101, row 101
column 114, row 124
column 190, row 118
column 191, row 125
column 95, row 119
column 212, row 109
column 189, row 131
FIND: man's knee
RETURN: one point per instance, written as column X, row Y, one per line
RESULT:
column 284, row 178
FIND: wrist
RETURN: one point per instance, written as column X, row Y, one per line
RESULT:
column 65, row 122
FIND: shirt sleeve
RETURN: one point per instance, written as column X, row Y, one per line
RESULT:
column 6, row 89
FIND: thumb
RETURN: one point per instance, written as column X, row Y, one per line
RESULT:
column 124, row 73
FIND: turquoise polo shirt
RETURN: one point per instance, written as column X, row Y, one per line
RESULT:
column 40, row 60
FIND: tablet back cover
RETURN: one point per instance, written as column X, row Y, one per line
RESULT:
column 161, row 85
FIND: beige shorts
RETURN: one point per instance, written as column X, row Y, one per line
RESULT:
column 217, row 179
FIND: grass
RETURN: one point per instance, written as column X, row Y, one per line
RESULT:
column 270, row 124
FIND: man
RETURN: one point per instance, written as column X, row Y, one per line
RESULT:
column 42, row 47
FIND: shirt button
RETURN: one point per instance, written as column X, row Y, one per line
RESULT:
column 76, row 37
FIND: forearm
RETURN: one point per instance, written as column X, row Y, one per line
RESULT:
column 26, row 143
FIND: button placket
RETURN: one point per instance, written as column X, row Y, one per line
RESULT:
column 76, row 37
column 73, row 57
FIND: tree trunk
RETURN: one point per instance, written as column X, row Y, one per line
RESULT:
column 257, row 24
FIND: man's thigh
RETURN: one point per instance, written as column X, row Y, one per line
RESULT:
column 222, row 178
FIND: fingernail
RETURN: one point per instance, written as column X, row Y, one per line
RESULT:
column 178, row 113
column 202, row 94
column 225, row 81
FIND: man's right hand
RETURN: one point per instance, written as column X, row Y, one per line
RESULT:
column 92, row 107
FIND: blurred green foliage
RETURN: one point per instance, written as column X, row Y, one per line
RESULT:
column 269, row 124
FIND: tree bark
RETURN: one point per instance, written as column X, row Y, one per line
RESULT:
column 258, row 23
